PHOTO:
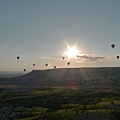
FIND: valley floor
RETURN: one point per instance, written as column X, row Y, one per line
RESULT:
column 59, row 103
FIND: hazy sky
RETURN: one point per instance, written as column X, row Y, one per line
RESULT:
column 39, row 31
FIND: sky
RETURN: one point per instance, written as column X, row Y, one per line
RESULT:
column 40, row 31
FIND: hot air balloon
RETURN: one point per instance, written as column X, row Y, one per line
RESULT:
column 63, row 58
column 118, row 57
column 54, row 67
column 24, row 70
column 18, row 57
column 33, row 64
column 113, row 45
column 68, row 63
column 46, row 64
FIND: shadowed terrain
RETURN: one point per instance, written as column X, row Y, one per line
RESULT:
column 66, row 93
column 68, row 77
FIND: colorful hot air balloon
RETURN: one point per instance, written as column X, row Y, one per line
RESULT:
column 113, row 45
column 68, row 63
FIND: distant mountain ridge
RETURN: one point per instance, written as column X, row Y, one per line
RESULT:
column 68, row 77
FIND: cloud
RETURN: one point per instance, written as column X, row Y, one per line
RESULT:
column 83, row 58
column 50, row 58
column 89, row 58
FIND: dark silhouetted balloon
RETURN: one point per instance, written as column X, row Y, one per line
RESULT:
column 68, row 63
column 46, row 64
column 33, row 64
column 18, row 57
column 24, row 70
column 63, row 58
column 54, row 67
column 118, row 57
column 113, row 45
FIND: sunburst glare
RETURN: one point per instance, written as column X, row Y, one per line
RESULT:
column 71, row 52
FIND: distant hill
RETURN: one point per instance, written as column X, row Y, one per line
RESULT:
column 8, row 74
column 68, row 77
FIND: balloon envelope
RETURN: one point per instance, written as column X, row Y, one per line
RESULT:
column 118, row 57
column 18, row 57
column 113, row 45
column 68, row 63
column 46, row 64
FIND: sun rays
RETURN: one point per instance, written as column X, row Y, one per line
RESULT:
column 71, row 52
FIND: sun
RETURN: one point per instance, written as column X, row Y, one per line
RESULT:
column 72, row 52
